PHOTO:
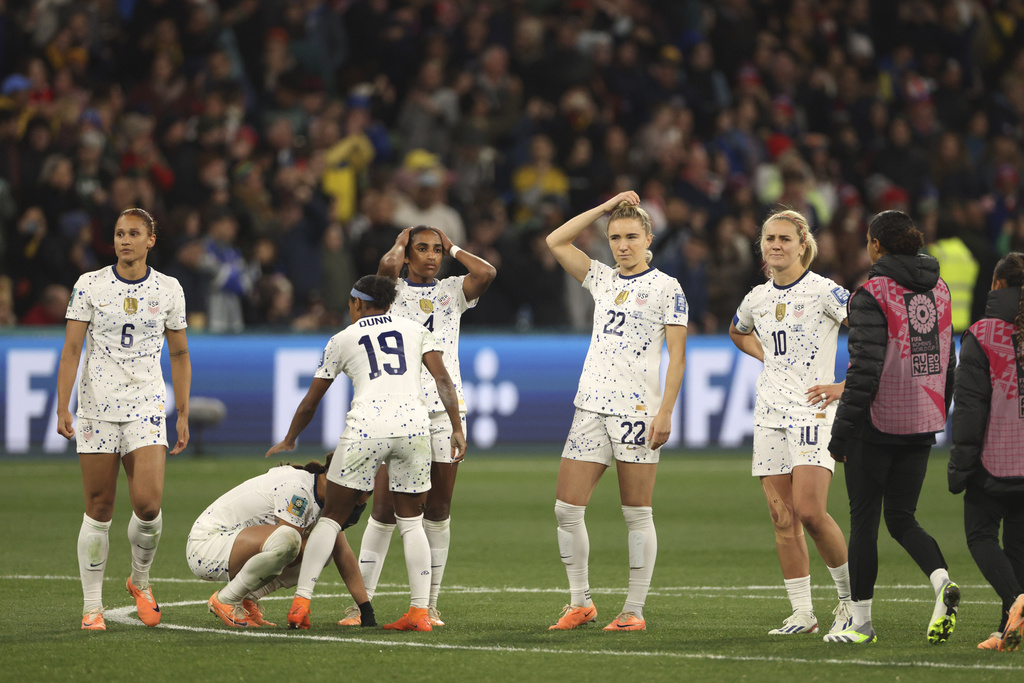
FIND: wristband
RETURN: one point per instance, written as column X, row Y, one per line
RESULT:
column 454, row 250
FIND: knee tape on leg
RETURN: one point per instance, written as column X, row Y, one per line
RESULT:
column 285, row 544
column 785, row 525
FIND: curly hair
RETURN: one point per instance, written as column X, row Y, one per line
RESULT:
column 381, row 289
column 895, row 231
column 627, row 211
column 1010, row 269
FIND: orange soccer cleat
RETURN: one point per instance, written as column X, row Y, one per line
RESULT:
column 255, row 611
column 145, row 603
column 298, row 615
column 416, row 619
column 234, row 616
column 627, row 621
column 93, row 621
column 574, row 616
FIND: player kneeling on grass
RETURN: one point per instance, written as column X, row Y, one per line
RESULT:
column 254, row 535
column 387, row 424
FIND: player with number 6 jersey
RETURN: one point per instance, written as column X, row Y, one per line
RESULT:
column 621, row 415
column 123, row 313
column 437, row 304
column 791, row 323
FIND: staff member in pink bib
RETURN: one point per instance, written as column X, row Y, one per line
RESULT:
column 898, row 389
column 987, row 459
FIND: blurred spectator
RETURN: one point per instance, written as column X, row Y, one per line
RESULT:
column 427, row 206
column 50, row 307
column 230, row 279
column 430, row 113
column 538, row 180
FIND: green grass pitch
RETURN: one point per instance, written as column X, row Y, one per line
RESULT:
column 717, row 588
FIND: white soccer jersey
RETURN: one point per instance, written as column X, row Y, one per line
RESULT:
column 121, row 379
column 621, row 372
column 383, row 356
column 798, row 326
column 284, row 493
column 438, row 307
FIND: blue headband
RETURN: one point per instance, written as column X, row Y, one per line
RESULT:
column 359, row 295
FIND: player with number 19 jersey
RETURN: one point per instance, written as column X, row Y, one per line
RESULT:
column 383, row 355
column 438, row 306
column 798, row 326
column 121, row 379
column 621, row 371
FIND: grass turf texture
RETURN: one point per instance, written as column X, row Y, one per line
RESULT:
column 717, row 588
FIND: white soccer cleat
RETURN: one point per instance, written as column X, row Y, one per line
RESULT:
column 940, row 628
column 796, row 623
column 852, row 635
column 843, row 617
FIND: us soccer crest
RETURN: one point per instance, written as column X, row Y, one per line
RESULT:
column 780, row 312
column 798, row 310
column 621, row 298
column 426, row 305
column 641, row 299
column 131, row 305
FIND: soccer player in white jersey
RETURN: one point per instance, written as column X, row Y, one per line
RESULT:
column 791, row 323
column 253, row 536
column 438, row 305
column 123, row 313
column 621, row 416
column 387, row 423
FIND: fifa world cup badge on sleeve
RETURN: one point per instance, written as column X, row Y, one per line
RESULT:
column 297, row 506
column 680, row 305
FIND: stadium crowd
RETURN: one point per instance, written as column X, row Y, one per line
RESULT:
column 283, row 144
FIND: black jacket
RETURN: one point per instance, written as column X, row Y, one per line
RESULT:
column 869, row 334
column 973, row 402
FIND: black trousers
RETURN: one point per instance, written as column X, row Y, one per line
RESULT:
column 1003, row 567
column 886, row 477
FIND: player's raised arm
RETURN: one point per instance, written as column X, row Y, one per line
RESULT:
column 481, row 273
column 560, row 241
column 391, row 262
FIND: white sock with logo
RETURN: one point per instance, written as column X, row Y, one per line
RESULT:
column 643, row 552
column 373, row 549
column 93, row 547
column 439, row 536
column 574, row 549
column 319, row 549
column 417, row 558
column 278, row 550
column 144, row 537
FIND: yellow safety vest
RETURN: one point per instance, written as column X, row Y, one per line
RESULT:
column 959, row 269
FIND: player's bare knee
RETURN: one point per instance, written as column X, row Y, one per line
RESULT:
column 384, row 515
column 783, row 519
column 147, row 512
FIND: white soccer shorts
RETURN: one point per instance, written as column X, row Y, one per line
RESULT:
column 779, row 450
column 407, row 458
column 600, row 438
column 99, row 436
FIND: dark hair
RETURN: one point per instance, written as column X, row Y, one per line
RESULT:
column 313, row 466
column 895, row 231
column 142, row 214
column 415, row 231
column 1010, row 269
column 404, row 271
column 382, row 289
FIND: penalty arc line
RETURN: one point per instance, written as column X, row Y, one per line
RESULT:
column 121, row 615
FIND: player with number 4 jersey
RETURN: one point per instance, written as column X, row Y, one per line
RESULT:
column 621, row 415
column 791, row 323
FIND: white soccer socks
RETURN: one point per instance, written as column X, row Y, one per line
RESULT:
column 278, row 550
column 319, row 549
column 841, row 577
column 643, row 552
column 93, row 547
column 799, row 591
column 372, row 551
column 144, row 538
column 417, row 558
column 574, row 548
column 439, row 537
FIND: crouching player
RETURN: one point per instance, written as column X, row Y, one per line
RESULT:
column 253, row 537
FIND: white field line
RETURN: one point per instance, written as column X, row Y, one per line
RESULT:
column 122, row 615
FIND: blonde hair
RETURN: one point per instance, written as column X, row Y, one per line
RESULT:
column 803, row 233
column 627, row 211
